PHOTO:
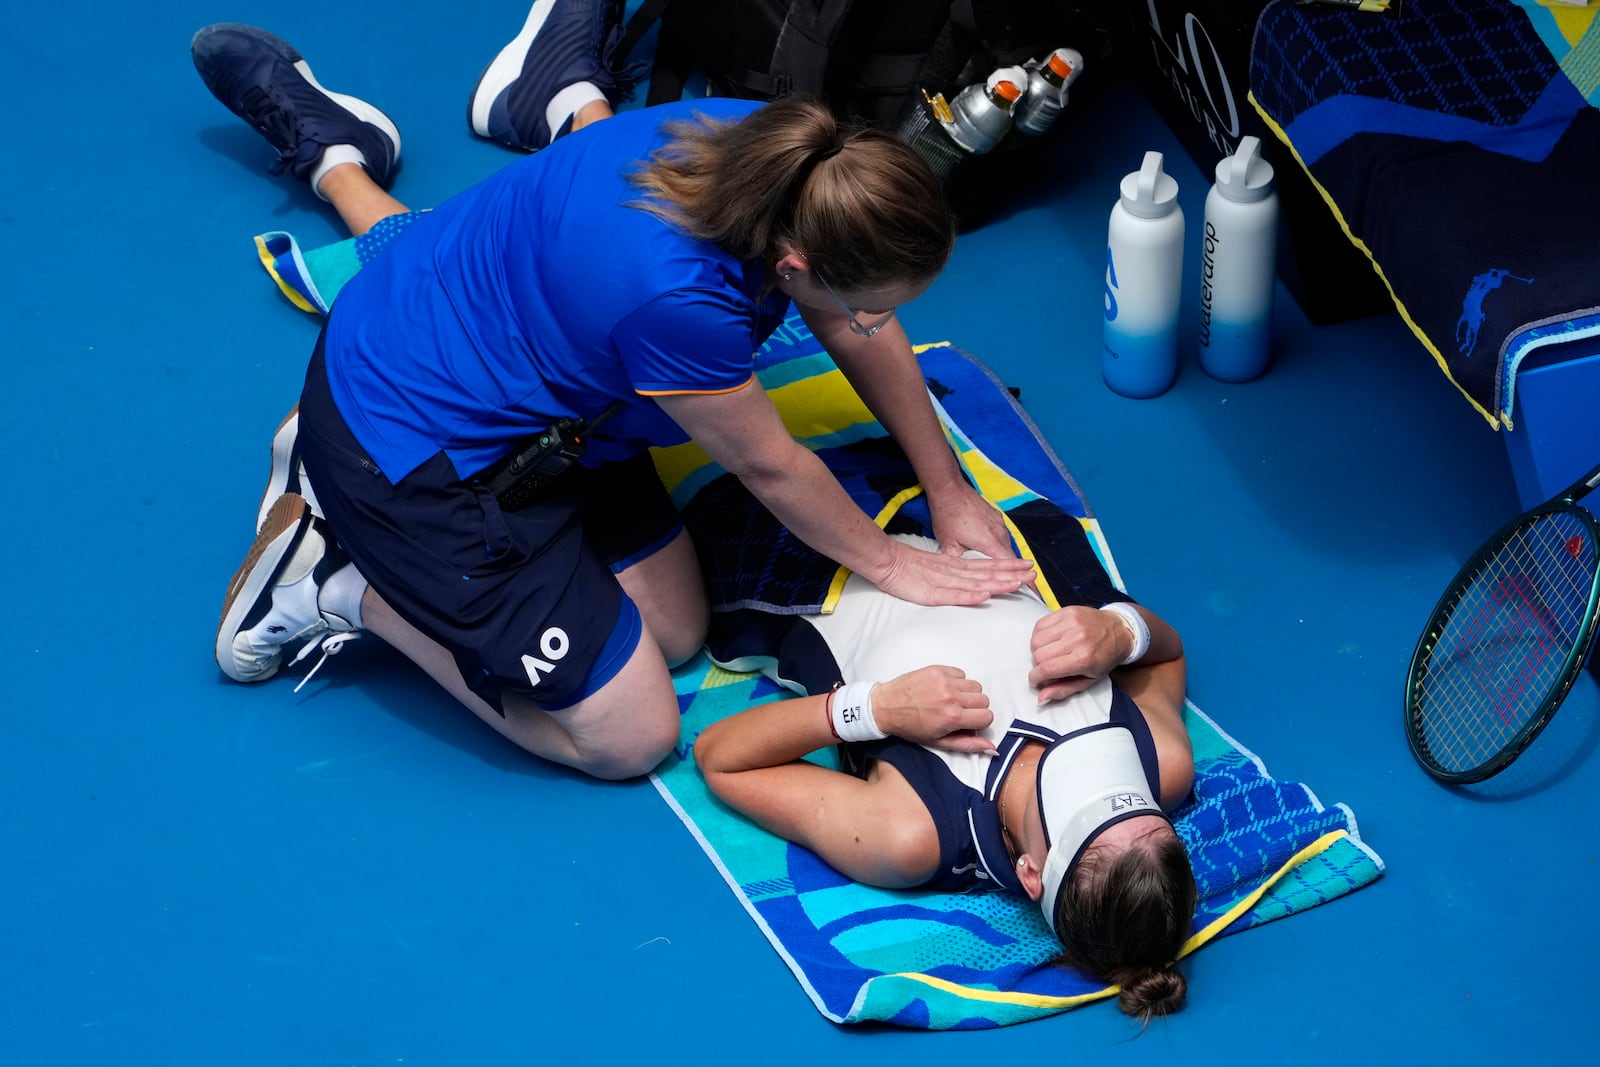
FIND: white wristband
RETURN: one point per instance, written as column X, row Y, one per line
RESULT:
column 1136, row 626
column 850, row 713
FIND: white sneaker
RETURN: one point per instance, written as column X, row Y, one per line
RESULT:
column 288, row 474
column 272, row 599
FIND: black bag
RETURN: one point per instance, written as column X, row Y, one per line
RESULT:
column 864, row 60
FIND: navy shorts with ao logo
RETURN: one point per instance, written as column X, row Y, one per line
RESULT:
column 526, row 601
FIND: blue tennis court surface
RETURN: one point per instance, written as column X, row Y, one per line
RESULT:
column 194, row 872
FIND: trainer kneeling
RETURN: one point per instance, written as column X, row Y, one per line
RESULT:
column 632, row 267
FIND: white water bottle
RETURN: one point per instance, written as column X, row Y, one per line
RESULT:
column 1238, row 267
column 1144, row 280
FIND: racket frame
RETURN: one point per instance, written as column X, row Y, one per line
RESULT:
column 1563, row 503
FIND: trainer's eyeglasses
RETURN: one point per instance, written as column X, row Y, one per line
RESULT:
column 856, row 325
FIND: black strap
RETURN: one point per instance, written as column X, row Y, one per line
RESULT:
column 801, row 52
column 800, row 56
column 670, row 71
column 963, row 14
column 883, row 71
column 639, row 23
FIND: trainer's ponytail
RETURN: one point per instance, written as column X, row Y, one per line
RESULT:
column 862, row 206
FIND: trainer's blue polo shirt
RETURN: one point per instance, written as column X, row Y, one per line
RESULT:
column 537, row 295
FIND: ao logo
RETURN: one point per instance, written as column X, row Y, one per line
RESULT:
column 1188, row 57
column 553, row 645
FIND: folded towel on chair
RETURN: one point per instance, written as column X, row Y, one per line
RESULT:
column 1458, row 149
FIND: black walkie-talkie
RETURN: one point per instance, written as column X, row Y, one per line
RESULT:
column 519, row 479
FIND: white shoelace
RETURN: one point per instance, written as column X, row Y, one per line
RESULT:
column 328, row 646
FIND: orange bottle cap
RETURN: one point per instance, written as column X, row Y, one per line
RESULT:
column 1008, row 90
column 1059, row 64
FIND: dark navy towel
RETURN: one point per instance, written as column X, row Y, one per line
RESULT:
column 1460, row 156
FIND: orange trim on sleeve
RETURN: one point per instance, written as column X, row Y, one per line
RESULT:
column 696, row 392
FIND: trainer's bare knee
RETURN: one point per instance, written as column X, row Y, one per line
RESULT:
column 629, row 725
column 641, row 753
column 685, row 637
column 668, row 589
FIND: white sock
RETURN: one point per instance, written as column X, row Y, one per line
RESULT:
column 332, row 156
column 567, row 103
column 340, row 596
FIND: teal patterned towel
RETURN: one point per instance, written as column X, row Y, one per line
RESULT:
column 311, row 279
column 1262, row 849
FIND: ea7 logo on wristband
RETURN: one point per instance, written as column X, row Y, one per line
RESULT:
column 850, row 713
column 554, row 646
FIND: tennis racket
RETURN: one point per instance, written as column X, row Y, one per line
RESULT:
column 1505, row 642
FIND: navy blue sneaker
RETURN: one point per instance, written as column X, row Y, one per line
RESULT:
column 564, row 46
column 263, row 80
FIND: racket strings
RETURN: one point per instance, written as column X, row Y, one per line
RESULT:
column 1504, row 649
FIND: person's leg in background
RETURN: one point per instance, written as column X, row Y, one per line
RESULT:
column 346, row 149
column 556, row 76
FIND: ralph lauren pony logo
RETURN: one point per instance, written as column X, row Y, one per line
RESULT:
column 1471, row 319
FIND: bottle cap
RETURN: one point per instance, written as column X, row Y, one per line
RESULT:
column 1007, row 83
column 1059, row 63
column 1149, row 192
column 1245, row 177
column 1074, row 61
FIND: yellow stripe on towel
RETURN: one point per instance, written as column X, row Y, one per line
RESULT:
column 269, row 261
column 1034, row 1000
column 717, row 677
column 820, row 406
column 675, row 463
column 825, row 406
column 1316, row 848
column 992, row 996
column 997, row 486
column 1497, row 421
column 842, row 575
column 816, row 407
column 1582, row 64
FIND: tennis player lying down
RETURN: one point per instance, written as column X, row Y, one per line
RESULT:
column 998, row 747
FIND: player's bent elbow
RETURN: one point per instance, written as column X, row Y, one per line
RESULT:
column 707, row 757
column 705, row 748
column 734, row 786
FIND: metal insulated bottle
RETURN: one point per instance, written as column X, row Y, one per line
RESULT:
column 1238, row 267
column 981, row 113
column 1042, row 104
column 1144, row 280
column 924, row 124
